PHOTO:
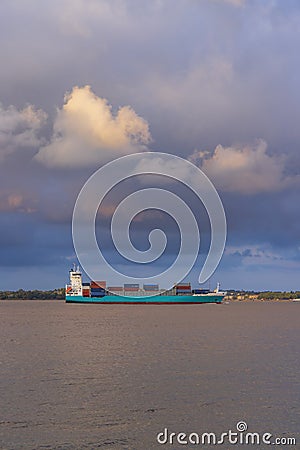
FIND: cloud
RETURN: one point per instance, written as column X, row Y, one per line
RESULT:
column 247, row 169
column 86, row 132
column 232, row 2
column 20, row 128
column 202, row 73
column 77, row 16
column 262, row 255
column 252, row 251
column 15, row 201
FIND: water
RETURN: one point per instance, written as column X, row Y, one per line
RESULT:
column 113, row 376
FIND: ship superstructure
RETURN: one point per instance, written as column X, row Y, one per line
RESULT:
column 75, row 286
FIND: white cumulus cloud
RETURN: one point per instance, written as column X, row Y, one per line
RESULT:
column 87, row 132
column 247, row 169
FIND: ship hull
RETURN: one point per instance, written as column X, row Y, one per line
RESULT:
column 156, row 300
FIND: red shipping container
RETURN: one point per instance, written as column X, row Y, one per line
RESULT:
column 95, row 284
column 115, row 288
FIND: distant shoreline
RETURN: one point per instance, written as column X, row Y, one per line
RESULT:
column 21, row 294
column 264, row 296
column 232, row 295
column 273, row 300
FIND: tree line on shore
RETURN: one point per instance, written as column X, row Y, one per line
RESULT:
column 21, row 294
column 279, row 295
column 59, row 294
column 264, row 295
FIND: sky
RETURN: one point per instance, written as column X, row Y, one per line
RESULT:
column 215, row 82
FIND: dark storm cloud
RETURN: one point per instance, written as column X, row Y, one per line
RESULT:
column 200, row 74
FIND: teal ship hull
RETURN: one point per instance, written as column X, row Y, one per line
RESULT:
column 156, row 300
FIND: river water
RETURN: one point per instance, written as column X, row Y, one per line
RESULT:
column 114, row 376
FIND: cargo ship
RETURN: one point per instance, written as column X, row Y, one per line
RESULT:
column 99, row 292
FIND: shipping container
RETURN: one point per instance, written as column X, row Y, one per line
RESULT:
column 201, row 291
column 150, row 287
column 100, row 294
column 131, row 293
column 115, row 288
column 98, row 284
